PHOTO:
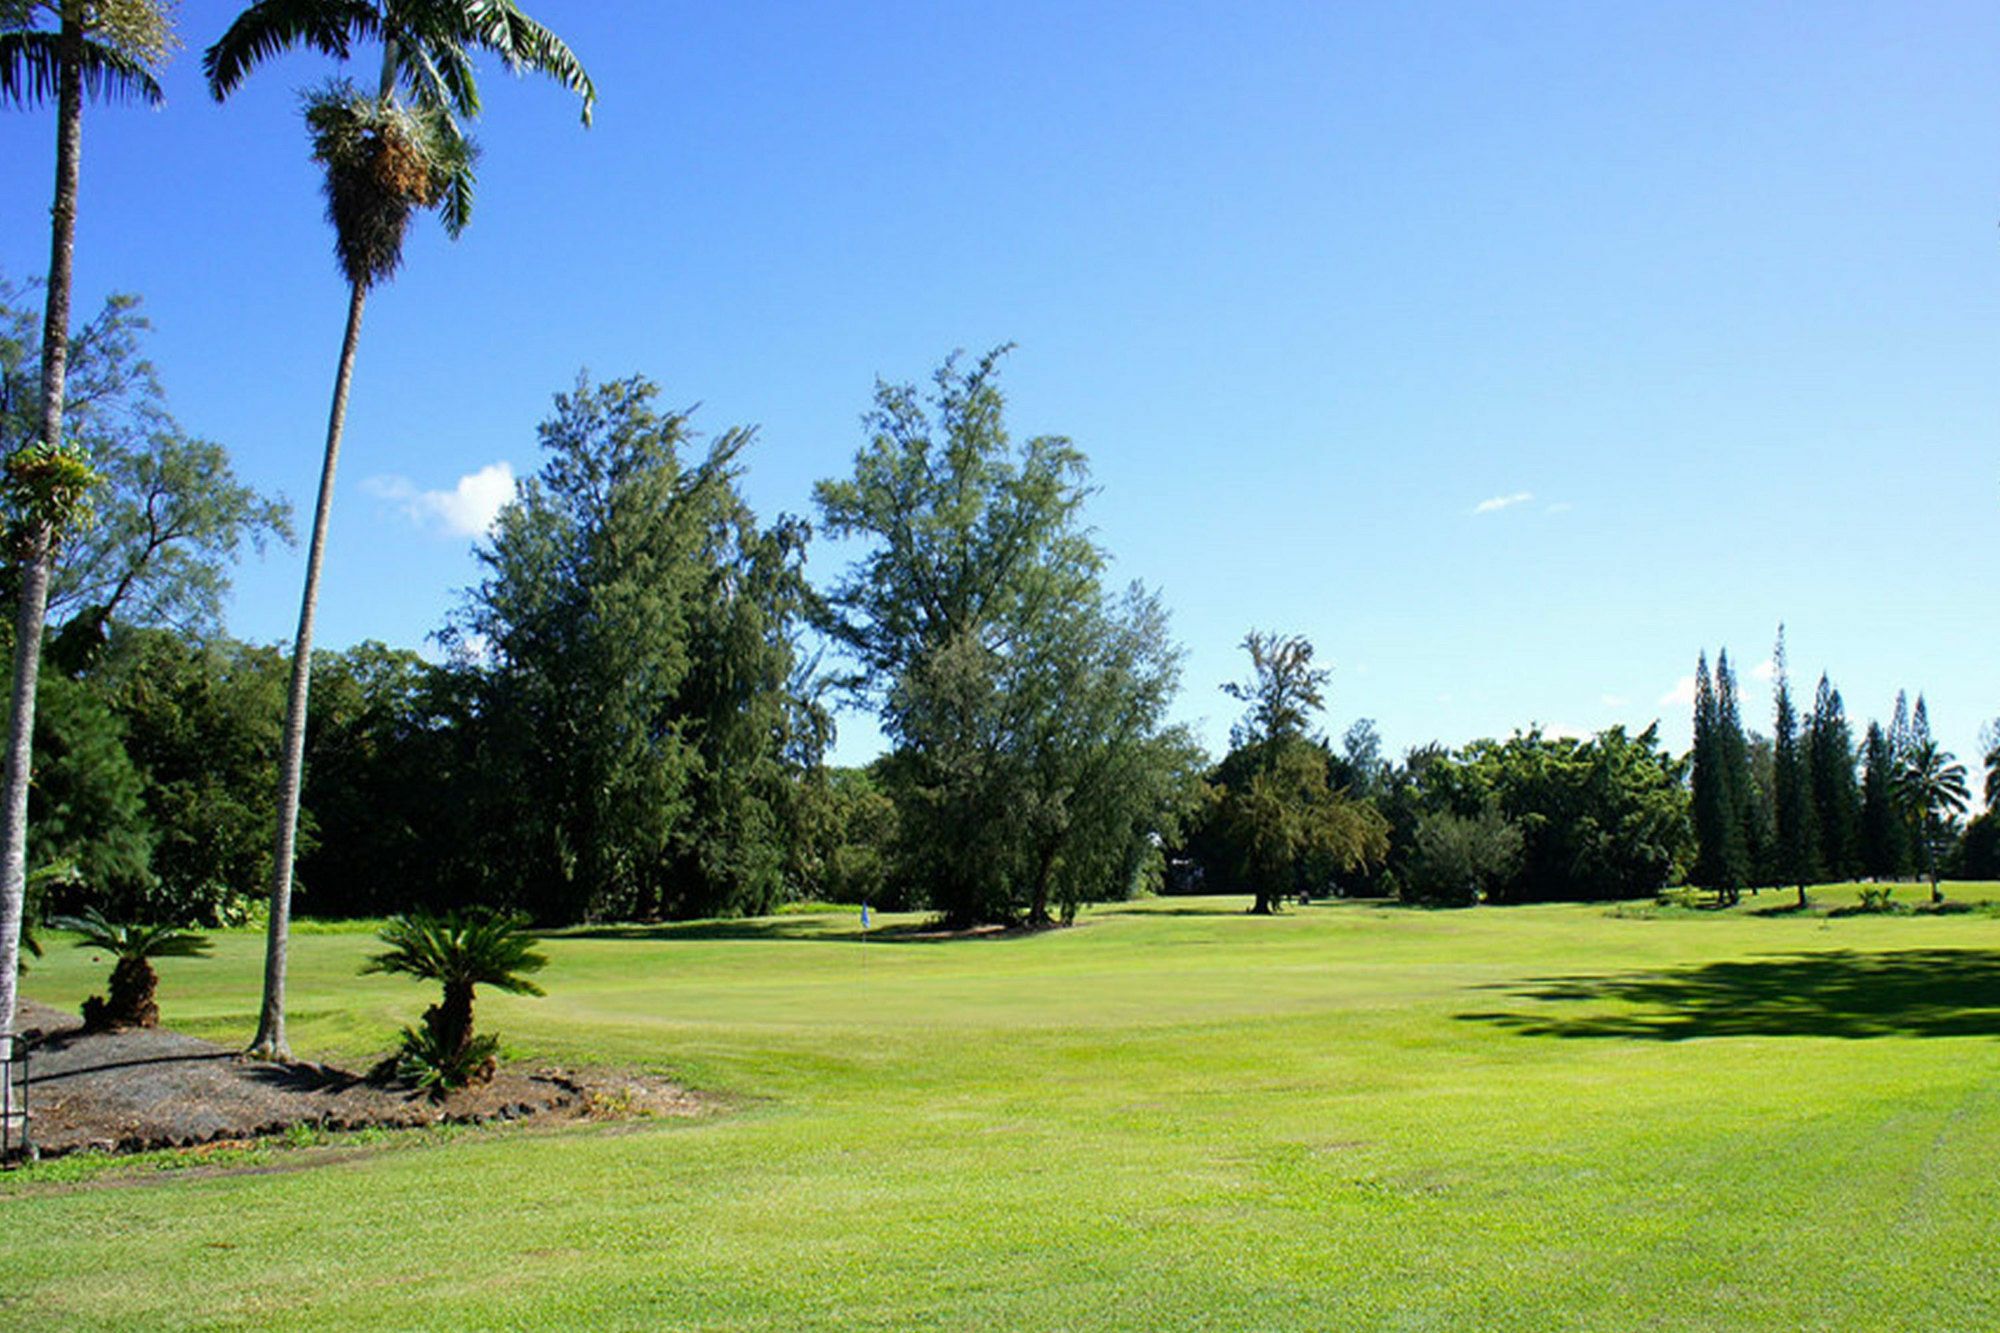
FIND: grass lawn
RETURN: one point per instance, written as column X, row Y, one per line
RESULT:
column 1173, row 1116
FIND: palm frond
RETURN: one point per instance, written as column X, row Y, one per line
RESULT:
column 31, row 71
column 526, row 46
column 270, row 27
column 472, row 948
column 124, row 940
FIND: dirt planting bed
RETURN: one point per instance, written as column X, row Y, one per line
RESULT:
column 148, row 1088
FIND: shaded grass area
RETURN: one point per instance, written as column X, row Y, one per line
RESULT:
column 1839, row 993
column 1173, row 1116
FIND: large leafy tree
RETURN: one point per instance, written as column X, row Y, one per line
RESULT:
column 1605, row 817
column 1026, row 705
column 106, row 50
column 643, row 727
column 1279, row 825
column 170, row 515
column 385, row 155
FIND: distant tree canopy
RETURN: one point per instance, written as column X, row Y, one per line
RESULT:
column 1600, row 818
column 1032, row 766
column 1279, row 824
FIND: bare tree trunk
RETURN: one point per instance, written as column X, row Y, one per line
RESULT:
column 32, row 608
column 271, row 1042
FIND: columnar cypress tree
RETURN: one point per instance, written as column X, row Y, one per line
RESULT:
column 1884, row 844
column 1798, row 843
column 1835, row 798
column 1752, row 812
column 1720, row 855
column 1902, row 743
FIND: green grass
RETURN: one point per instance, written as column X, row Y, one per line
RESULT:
column 1174, row 1116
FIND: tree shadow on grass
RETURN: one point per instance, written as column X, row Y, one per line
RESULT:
column 801, row 929
column 1906, row 993
column 765, row 928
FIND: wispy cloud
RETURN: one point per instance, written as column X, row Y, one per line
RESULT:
column 1500, row 502
column 1559, row 507
column 468, row 509
column 1765, row 670
column 1682, row 693
column 1615, row 701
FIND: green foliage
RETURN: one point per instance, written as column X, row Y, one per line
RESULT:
column 429, row 1063
column 131, row 941
column 394, row 802
column 132, row 946
column 427, row 54
column 1884, row 835
column 87, row 805
column 1836, row 799
column 850, row 838
column 1932, row 785
column 121, row 45
column 170, row 515
column 1719, row 773
column 1284, row 690
column 1033, row 763
column 461, row 951
column 642, row 725
column 383, row 161
column 1602, row 818
column 45, row 490
column 1457, row 861
column 1977, row 855
column 1795, row 818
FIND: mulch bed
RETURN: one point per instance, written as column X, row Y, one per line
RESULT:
column 141, row 1089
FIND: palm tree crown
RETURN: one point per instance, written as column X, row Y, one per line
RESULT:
column 461, row 949
column 427, row 49
column 118, row 44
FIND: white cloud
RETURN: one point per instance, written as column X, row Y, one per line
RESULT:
column 1615, row 701
column 1766, row 669
column 1559, row 507
column 1682, row 693
column 1502, row 501
column 468, row 509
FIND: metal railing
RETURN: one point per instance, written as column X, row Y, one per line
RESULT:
column 16, row 1139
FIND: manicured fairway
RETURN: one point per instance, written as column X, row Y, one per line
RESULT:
column 1173, row 1116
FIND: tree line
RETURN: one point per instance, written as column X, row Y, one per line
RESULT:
column 1809, row 803
column 630, row 717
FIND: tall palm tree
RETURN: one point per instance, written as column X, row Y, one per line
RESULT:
column 106, row 50
column 384, row 158
column 1933, row 786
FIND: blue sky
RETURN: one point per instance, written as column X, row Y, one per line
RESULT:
column 1514, row 353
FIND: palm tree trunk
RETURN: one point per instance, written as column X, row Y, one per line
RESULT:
column 32, row 608
column 271, row 1043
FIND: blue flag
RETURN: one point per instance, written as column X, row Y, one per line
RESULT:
column 864, row 916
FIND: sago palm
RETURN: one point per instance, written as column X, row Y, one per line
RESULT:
column 461, row 951
column 385, row 158
column 133, row 981
column 105, row 50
